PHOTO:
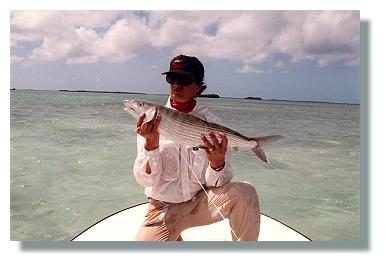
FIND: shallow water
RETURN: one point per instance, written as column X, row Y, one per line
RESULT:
column 72, row 156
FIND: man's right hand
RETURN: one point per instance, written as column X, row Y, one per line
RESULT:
column 149, row 130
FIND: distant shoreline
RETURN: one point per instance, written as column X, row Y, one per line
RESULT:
column 222, row 97
column 122, row 92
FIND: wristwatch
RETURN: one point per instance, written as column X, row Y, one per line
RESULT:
column 219, row 168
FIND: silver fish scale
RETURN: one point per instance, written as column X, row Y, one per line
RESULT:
column 177, row 132
column 187, row 129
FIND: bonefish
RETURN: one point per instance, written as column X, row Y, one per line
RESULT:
column 187, row 129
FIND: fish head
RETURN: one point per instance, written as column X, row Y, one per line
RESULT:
column 137, row 107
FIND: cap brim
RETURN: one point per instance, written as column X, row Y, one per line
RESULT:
column 178, row 71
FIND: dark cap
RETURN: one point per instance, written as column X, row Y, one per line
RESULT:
column 183, row 64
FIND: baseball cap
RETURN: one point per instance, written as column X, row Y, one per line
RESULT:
column 187, row 65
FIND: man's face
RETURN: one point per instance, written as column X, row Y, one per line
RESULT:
column 183, row 88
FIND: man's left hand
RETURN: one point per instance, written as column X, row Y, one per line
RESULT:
column 216, row 150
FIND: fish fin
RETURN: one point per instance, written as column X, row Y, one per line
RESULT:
column 260, row 153
column 267, row 139
column 261, row 140
column 203, row 147
column 150, row 114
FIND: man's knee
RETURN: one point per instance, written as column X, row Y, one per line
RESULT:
column 243, row 190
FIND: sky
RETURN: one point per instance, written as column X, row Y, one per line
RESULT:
column 286, row 55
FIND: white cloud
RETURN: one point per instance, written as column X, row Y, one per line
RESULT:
column 83, row 60
column 324, row 37
column 248, row 37
column 123, row 40
column 250, row 69
column 16, row 59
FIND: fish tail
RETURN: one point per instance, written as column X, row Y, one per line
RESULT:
column 258, row 150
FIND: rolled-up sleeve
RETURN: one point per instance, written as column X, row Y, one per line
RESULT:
column 154, row 160
column 219, row 178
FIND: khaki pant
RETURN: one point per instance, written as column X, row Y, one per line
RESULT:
column 237, row 201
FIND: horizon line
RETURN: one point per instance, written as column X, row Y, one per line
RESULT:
column 225, row 97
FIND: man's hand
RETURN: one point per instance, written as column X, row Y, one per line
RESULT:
column 216, row 150
column 149, row 130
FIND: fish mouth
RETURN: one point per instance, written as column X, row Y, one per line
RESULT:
column 130, row 106
column 130, row 103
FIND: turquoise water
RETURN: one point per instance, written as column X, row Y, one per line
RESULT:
column 72, row 156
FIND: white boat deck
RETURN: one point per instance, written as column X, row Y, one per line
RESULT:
column 123, row 226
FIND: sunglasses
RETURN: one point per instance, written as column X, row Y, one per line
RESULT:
column 184, row 81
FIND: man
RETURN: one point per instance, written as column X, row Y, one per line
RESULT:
column 188, row 187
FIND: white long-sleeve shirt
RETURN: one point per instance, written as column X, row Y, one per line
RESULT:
column 175, row 168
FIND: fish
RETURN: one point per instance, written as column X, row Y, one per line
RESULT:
column 186, row 129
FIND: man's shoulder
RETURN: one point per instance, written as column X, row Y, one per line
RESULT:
column 206, row 114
